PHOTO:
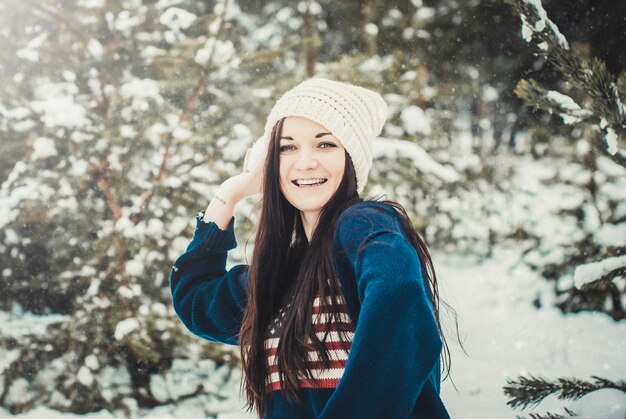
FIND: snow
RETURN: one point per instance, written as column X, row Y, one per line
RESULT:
column 591, row 271
column 43, row 148
column 415, row 121
column 155, row 227
column 140, row 88
column 611, row 235
column 124, row 21
column 371, row 29
column 92, row 362
column 60, row 111
column 424, row 13
column 527, row 30
column 18, row 323
column 125, row 327
column 177, row 225
column 18, row 393
column 91, row 4
column 150, row 51
column 611, row 141
column 391, row 148
column 181, row 133
column 44, row 413
column 573, row 113
column 220, row 52
column 176, row 18
column 513, row 337
column 314, row 7
column 234, row 146
column 563, row 101
column 230, row 12
column 611, row 168
column 376, row 63
column 84, row 376
column 490, row 94
column 130, row 291
column 164, row 4
column 8, row 358
column 16, row 113
column 95, row 48
column 284, row 14
column 541, row 24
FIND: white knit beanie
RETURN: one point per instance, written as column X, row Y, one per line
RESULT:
column 353, row 114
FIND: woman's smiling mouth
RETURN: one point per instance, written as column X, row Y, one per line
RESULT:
column 308, row 183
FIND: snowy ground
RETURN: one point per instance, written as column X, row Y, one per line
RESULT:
column 504, row 335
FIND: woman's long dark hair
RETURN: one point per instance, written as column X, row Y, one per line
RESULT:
column 286, row 266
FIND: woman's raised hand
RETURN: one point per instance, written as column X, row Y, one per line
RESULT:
column 245, row 184
column 232, row 190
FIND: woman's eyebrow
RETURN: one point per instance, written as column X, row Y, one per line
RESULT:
column 321, row 134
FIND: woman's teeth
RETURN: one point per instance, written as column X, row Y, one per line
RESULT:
column 307, row 183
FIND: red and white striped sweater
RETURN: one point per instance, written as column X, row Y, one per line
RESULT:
column 337, row 349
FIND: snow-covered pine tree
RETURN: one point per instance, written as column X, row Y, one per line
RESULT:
column 594, row 100
column 106, row 96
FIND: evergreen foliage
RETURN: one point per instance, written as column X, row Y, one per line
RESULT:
column 589, row 79
column 525, row 392
column 549, row 415
column 604, row 114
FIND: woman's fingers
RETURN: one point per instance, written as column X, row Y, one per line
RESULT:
column 245, row 161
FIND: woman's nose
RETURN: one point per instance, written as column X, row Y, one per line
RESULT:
column 306, row 160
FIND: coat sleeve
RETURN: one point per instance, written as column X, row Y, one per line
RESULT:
column 207, row 298
column 396, row 345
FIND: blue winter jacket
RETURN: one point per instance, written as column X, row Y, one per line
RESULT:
column 393, row 368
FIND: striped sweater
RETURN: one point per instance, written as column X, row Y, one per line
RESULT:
column 392, row 368
column 337, row 343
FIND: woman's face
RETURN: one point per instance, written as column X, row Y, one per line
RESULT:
column 312, row 162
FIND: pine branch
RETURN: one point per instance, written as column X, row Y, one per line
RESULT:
column 534, row 94
column 605, row 281
column 549, row 415
column 531, row 391
column 537, row 96
column 605, row 269
column 599, row 141
column 589, row 77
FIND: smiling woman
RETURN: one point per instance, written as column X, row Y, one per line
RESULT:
column 337, row 316
column 312, row 163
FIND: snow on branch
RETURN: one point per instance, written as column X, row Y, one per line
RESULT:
column 539, row 22
column 601, row 100
column 605, row 270
column 552, row 101
column 385, row 147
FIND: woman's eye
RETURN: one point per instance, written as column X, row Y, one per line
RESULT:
column 290, row 147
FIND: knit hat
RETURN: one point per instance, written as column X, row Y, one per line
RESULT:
column 353, row 114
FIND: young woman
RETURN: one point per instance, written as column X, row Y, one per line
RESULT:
column 337, row 316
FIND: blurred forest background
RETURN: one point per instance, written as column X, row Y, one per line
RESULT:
column 119, row 118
